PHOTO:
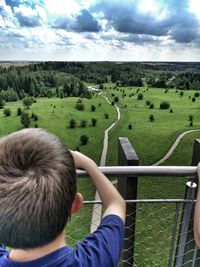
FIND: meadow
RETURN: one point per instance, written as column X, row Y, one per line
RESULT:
column 151, row 140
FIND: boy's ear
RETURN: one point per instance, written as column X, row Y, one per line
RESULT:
column 77, row 203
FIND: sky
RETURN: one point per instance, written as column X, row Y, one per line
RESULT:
column 100, row 30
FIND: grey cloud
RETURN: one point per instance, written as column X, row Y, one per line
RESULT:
column 84, row 22
column 28, row 21
column 180, row 25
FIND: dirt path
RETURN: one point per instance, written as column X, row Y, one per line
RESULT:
column 173, row 147
column 97, row 209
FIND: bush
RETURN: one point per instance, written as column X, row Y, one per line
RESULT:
column 151, row 106
column 112, row 103
column 116, row 99
column 130, row 126
column 151, row 118
column 7, row 112
column 84, row 140
column 36, row 126
column 193, row 99
column 25, row 119
column 181, row 93
column 164, row 105
column 19, row 112
column 83, row 123
column 72, row 123
column 140, row 96
column 196, row 94
column 93, row 122
column 35, row 117
column 191, row 117
column 32, row 115
column 191, row 123
column 28, row 101
column 171, row 110
column 80, row 106
column 106, row 115
column 148, row 102
column 92, row 108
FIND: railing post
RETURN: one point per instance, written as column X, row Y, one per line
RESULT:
column 186, row 245
column 127, row 186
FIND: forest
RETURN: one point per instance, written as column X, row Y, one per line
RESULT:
column 64, row 79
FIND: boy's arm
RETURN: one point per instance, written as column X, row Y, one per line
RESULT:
column 197, row 212
column 112, row 200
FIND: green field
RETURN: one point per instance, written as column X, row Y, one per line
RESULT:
column 151, row 141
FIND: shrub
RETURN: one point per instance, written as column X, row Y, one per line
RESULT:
column 116, row 99
column 148, row 102
column 7, row 112
column 35, row 117
column 164, row 105
column 193, row 99
column 27, row 101
column 83, row 123
column 19, row 112
column 112, row 103
column 80, row 106
column 151, row 106
column 151, row 118
column 32, row 115
column 84, row 140
column 25, row 119
column 191, row 123
column 181, row 93
column 130, row 126
column 191, row 117
column 92, row 108
column 93, row 122
column 72, row 123
column 171, row 110
column 36, row 126
column 140, row 96
column 196, row 94
column 106, row 115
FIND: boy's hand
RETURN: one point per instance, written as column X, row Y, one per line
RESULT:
column 81, row 161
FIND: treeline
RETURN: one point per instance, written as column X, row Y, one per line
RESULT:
column 17, row 82
column 182, row 80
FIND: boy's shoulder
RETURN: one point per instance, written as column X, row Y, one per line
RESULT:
column 101, row 248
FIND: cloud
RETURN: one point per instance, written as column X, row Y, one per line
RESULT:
column 125, row 17
column 83, row 22
column 29, row 17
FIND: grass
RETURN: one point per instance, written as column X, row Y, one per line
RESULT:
column 54, row 115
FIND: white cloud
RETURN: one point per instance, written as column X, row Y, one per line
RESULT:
column 194, row 7
column 61, row 7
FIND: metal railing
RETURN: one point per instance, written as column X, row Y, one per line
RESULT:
column 159, row 230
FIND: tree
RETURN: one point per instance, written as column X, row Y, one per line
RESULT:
column 7, row 112
column 164, row 105
column 83, row 123
column 106, row 115
column 92, row 108
column 181, row 93
column 116, row 99
column 2, row 102
column 151, row 106
column 171, row 110
column 72, row 123
column 193, row 99
column 25, row 119
column 147, row 102
column 94, row 122
column 151, row 118
column 35, row 117
column 130, row 126
column 140, row 96
column 19, row 111
column 84, row 139
column 191, row 117
column 27, row 101
column 80, row 106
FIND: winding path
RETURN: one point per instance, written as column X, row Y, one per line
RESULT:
column 97, row 209
column 172, row 148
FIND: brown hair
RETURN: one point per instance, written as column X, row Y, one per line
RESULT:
column 37, row 188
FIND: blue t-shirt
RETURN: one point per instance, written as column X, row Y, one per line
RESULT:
column 101, row 248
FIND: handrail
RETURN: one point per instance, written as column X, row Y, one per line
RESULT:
column 190, row 171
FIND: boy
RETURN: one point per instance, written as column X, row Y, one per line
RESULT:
column 37, row 196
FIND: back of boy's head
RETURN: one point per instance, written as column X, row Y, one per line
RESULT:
column 37, row 188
